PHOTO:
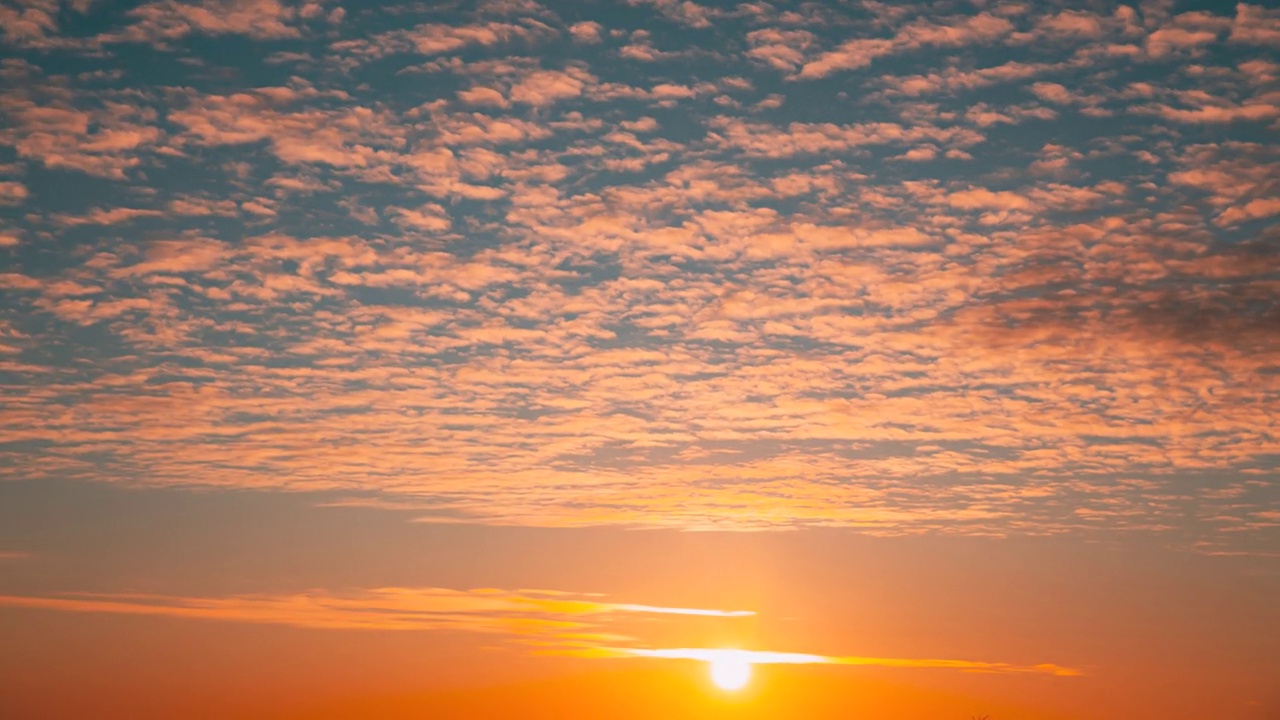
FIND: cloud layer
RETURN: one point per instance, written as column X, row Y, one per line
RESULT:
column 902, row 268
column 552, row 622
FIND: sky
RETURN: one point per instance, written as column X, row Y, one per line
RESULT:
column 499, row 358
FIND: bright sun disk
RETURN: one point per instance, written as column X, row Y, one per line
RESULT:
column 730, row 672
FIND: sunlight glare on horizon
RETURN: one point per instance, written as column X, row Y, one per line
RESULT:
column 730, row 670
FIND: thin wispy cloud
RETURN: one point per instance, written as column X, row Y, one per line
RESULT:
column 763, row 657
column 546, row 622
column 407, row 609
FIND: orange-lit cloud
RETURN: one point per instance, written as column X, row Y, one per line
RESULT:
column 408, row 609
column 484, row 285
column 554, row 623
column 761, row 657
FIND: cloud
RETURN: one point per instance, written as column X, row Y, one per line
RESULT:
column 1255, row 25
column 411, row 609
column 1168, row 39
column 953, row 79
column 782, row 49
column 544, row 87
column 765, row 140
column 759, row 657
column 30, row 22
column 114, row 216
column 587, row 31
column 104, row 139
column 342, row 138
column 683, row 12
column 550, row 621
column 861, row 52
column 553, row 622
column 168, row 20
column 433, row 39
column 850, row 55
column 1238, row 185
column 428, row 217
column 982, row 198
column 1052, row 92
column 1254, row 209
column 482, row 96
column 438, row 39
column 1215, row 114
column 12, row 193
column 1072, row 23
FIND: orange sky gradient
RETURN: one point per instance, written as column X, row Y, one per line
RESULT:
column 590, row 358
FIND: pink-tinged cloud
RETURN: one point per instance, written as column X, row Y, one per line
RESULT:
column 545, row 87
column 861, row 52
column 169, row 20
column 12, row 193
column 781, row 49
column 850, row 55
column 684, row 12
column 1073, row 23
column 112, row 216
column 1216, row 114
column 586, row 31
column 28, row 22
column 982, row 198
column 1255, row 209
column 1255, row 25
column 103, row 141
column 438, row 39
column 483, row 96
column 1170, row 39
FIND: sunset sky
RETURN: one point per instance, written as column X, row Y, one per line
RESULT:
column 562, row 359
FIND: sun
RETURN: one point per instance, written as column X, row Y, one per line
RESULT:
column 730, row 671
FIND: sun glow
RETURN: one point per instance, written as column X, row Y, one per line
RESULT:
column 730, row 671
